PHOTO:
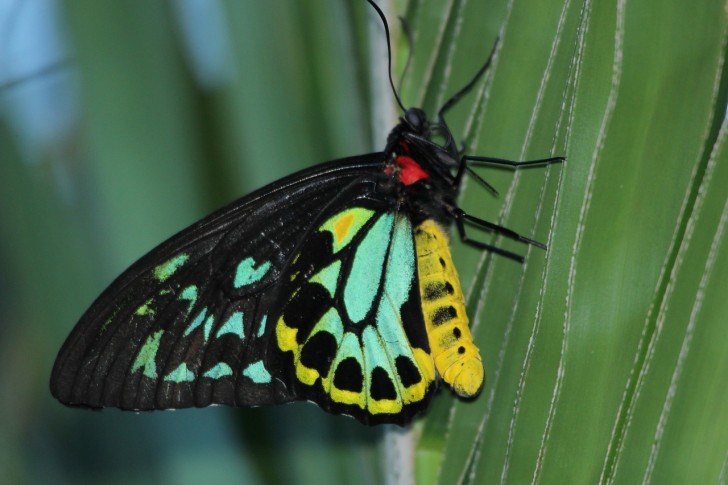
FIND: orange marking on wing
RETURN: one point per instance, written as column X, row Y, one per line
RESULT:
column 342, row 226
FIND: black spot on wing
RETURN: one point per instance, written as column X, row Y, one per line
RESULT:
column 306, row 308
column 319, row 351
column 381, row 385
column 408, row 373
column 413, row 321
column 348, row 375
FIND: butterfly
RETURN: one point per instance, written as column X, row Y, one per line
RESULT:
column 334, row 285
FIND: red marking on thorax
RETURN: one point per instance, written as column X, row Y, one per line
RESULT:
column 410, row 171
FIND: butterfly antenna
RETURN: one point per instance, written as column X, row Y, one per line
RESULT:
column 389, row 51
column 456, row 97
column 410, row 45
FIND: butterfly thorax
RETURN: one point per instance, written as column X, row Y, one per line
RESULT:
column 420, row 169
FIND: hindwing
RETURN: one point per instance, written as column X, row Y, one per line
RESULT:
column 349, row 326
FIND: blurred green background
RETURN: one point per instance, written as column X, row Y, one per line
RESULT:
column 607, row 356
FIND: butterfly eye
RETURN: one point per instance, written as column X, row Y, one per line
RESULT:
column 416, row 119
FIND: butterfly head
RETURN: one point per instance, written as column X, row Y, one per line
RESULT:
column 418, row 143
column 416, row 120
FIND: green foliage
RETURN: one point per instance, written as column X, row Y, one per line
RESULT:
column 605, row 355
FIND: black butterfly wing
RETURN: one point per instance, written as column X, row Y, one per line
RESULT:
column 186, row 324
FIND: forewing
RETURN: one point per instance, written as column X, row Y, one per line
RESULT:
column 186, row 325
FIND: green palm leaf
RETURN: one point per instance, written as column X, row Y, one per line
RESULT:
column 605, row 356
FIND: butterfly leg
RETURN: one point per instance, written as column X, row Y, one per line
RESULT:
column 461, row 217
column 511, row 163
column 465, row 167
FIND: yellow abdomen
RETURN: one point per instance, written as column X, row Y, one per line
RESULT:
column 456, row 357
